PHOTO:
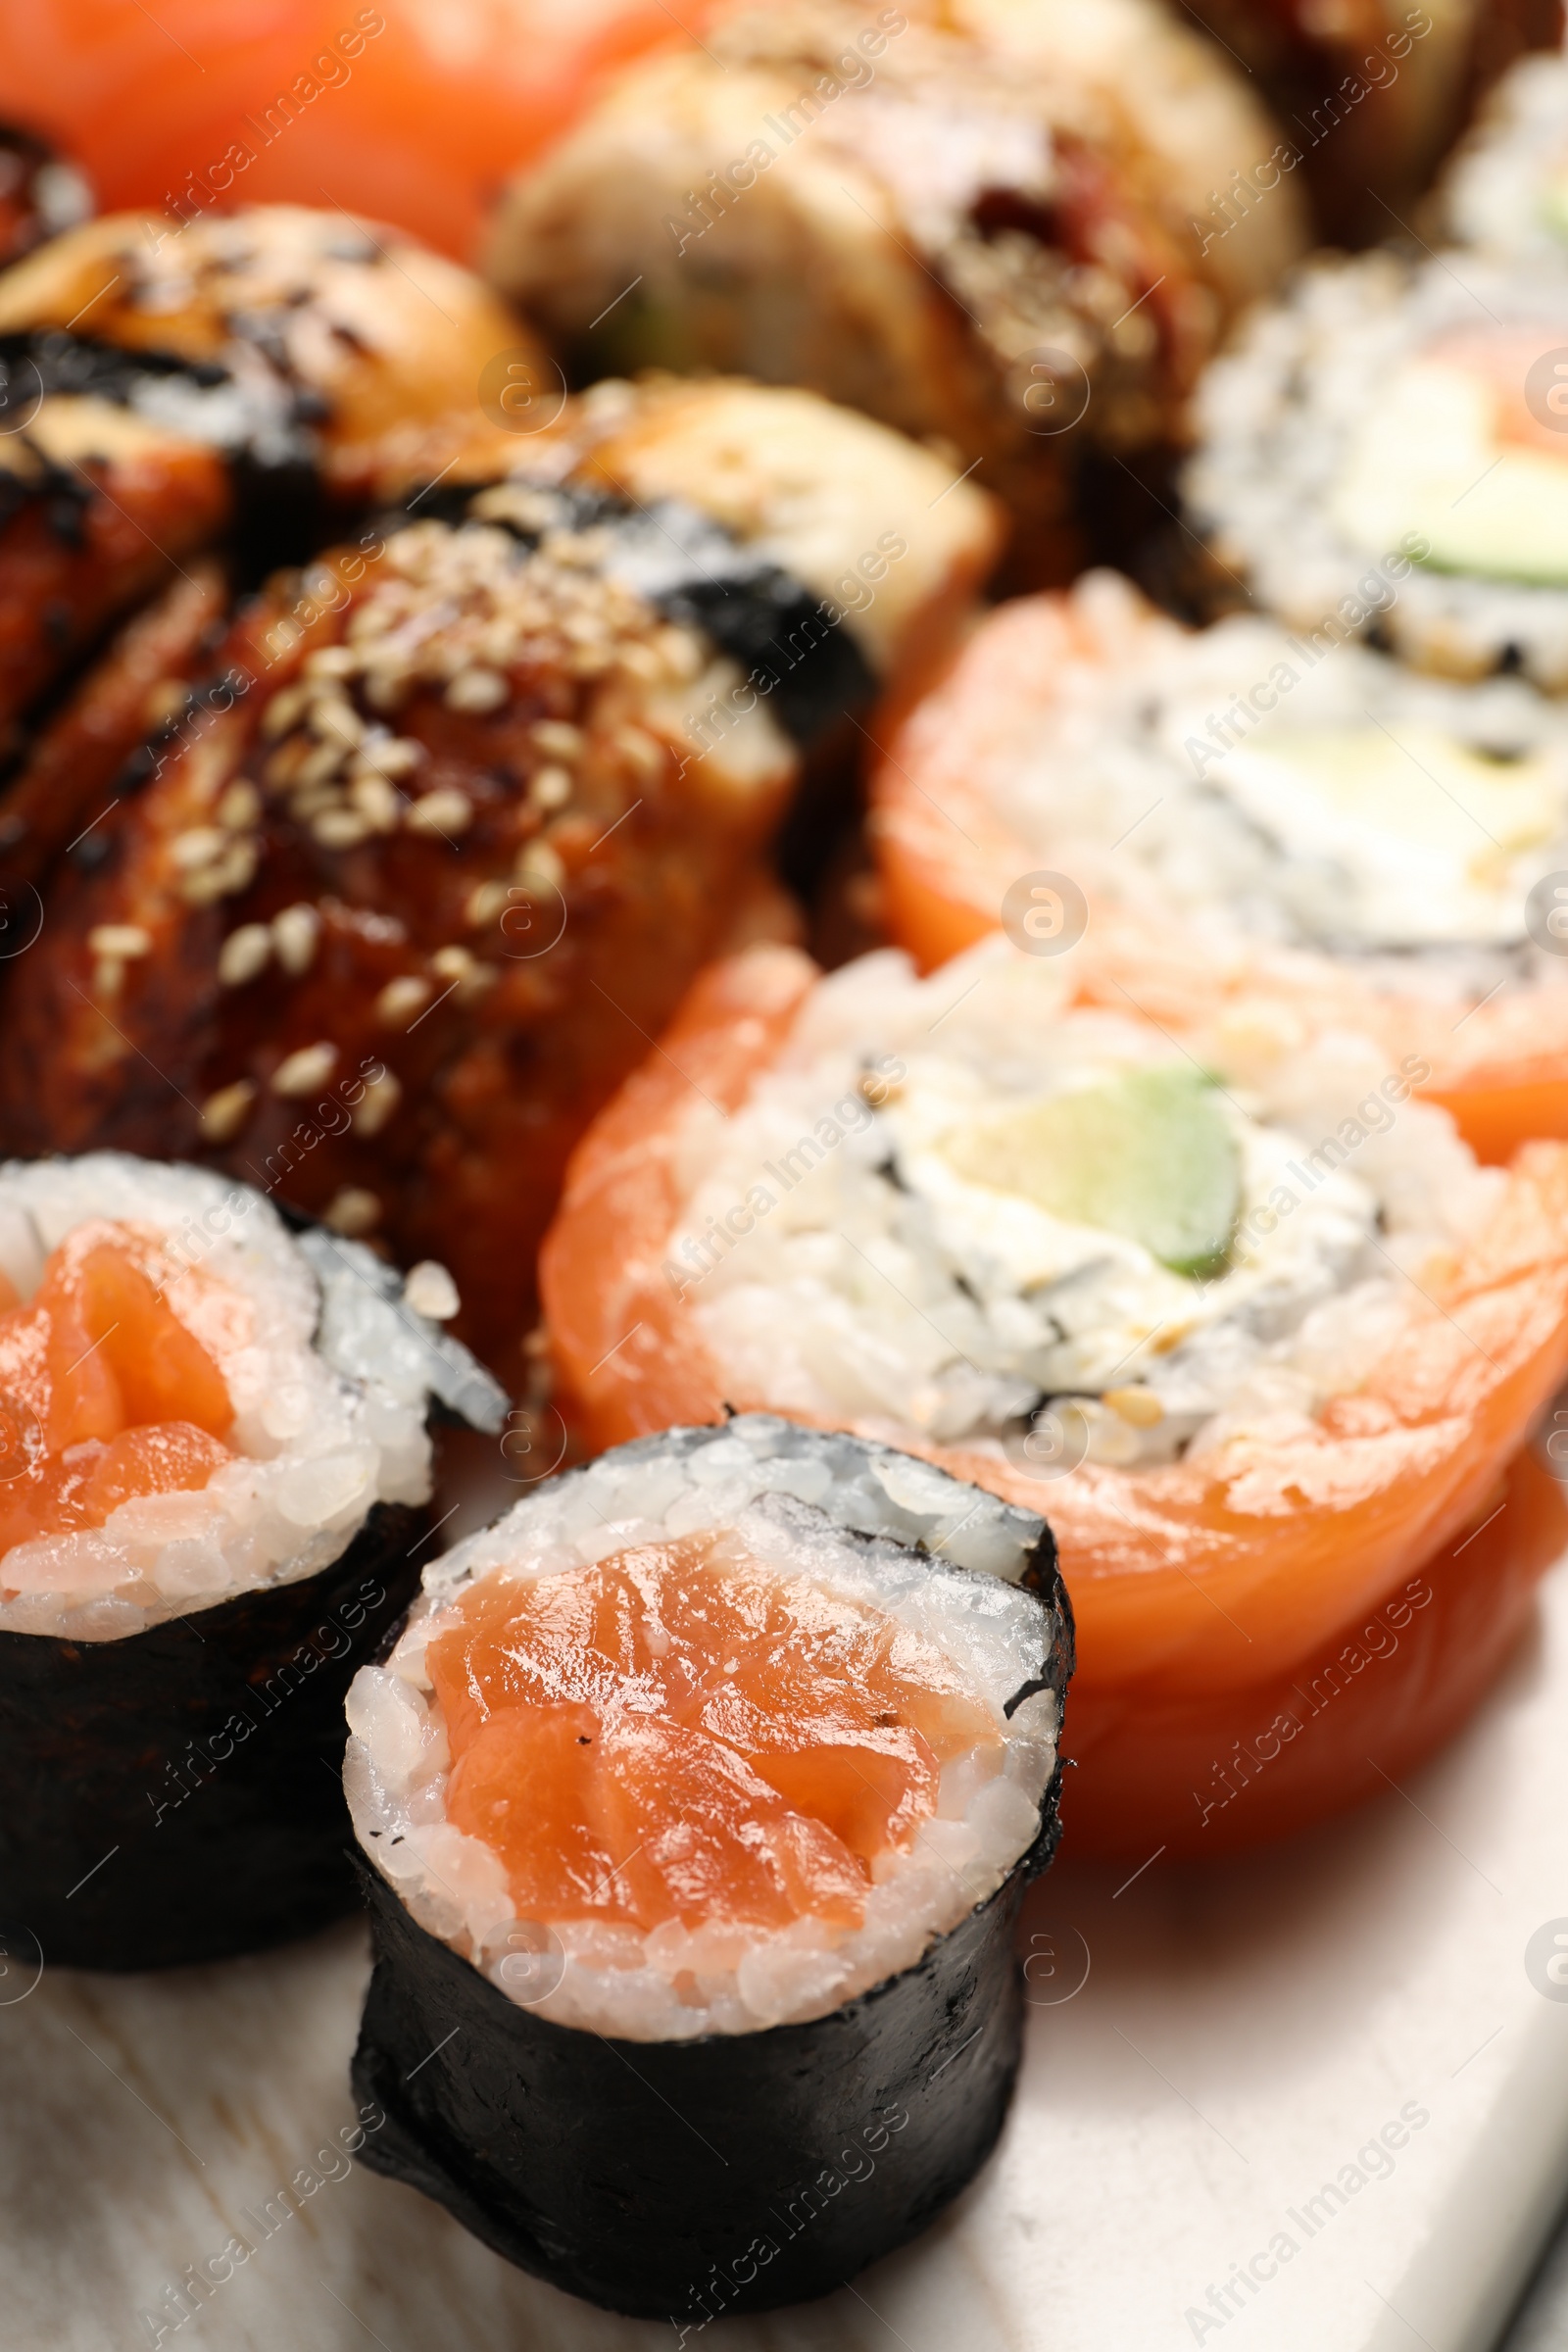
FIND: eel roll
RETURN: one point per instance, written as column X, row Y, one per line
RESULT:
column 458, row 812
column 699, row 1795
column 212, row 1505
column 239, row 380
column 972, row 223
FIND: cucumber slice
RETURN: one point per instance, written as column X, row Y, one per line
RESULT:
column 1427, row 457
column 1151, row 1155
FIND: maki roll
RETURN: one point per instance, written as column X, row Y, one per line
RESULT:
column 234, row 380
column 973, row 223
column 700, row 1793
column 1247, row 809
column 211, row 1506
column 467, row 807
column 1385, row 410
column 833, row 547
column 1249, row 1322
column 1506, row 191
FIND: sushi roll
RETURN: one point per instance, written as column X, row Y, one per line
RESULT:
column 841, row 557
column 212, row 1509
column 973, row 223
column 1506, row 191
column 1247, row 809
column 234, row 380
column 1384, row 408
column 468, row 804
column 1370, row 94
column 1249, row 1322
column 699, row 1795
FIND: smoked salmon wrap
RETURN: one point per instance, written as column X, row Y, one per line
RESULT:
column 1243, row 1315
column 1250, row 823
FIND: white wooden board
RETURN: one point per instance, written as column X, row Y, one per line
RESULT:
column 1245, row 2032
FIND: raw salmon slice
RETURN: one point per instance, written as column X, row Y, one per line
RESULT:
column 678, row 1734
column 105, row 1394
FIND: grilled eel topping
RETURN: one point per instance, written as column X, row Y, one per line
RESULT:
column 394, row 904
column 230, row 383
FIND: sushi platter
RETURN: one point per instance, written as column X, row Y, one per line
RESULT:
column 783, row 1172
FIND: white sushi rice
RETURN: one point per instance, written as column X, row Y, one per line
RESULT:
column 878, row 1530
column 876, row 1284
column 1247, row 781
column 1506, row 190
column 1327, row 445
column 329, row 1372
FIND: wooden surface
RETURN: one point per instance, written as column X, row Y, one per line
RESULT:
column 1244, row 2032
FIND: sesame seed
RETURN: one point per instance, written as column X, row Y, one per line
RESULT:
column 377, row 800
column 477, row 690
column 457, row 967
column 398, row 756
column 239, row 808
column 485, row 904
column 295, row 933
column 302, row 1071
column 237, row 867
column 643, row 753
column 550, row 787
column 1138, row 1406
column 199, row 845
column 323, row 762
column 283, row 711
column 431, row 1291
column 234, row 872
column 119, row 940
column 243, row 953
column 376, row 1104
column 337, row 721
column 682, row 655
column 469, row 978
column 223, row 1113
column 352, row 1210
column 340, row 828
column 402, row 998
column 539, row 866
column 445, row 810
column 557, row 739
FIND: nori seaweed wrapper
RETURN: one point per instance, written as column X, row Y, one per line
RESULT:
column 737, row 2172
column 143, row 1826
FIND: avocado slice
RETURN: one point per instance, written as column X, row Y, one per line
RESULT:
column 1149, row 1156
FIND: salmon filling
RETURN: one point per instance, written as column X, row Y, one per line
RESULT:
column 717, row 1732
column 105, row 1394
column 676, row 1735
